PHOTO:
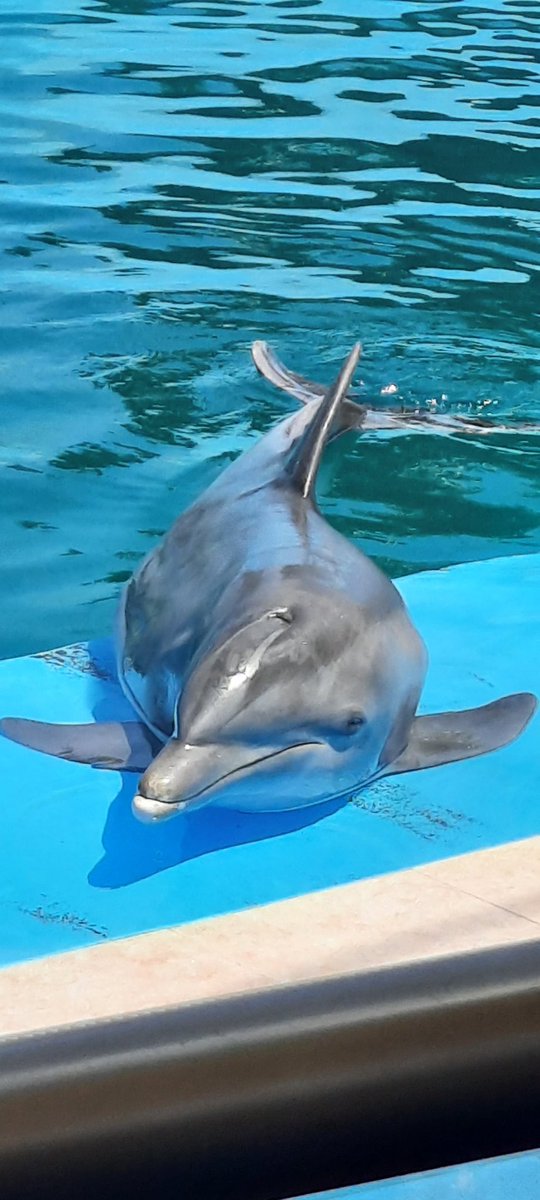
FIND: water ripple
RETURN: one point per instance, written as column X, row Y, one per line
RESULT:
column 178, row 178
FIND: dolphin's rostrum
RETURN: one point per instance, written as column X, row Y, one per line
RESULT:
column 270, row 663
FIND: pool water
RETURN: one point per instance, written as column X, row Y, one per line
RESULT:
column 177, row 179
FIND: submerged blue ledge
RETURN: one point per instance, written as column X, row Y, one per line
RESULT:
column 516, row 1177
column 76, row 868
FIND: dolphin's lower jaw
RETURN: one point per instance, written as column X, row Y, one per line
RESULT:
column 150, row 809
column 150, row 812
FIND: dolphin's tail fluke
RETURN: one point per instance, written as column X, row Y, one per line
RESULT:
column 353, row 415
column 268, row 365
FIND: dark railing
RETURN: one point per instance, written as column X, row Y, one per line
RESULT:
column 283, row 1092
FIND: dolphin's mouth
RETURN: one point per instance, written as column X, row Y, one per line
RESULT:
column 150, row 809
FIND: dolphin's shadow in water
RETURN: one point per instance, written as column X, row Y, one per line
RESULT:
column 134, row 851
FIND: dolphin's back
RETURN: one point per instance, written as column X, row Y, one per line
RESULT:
column 219, row 556
column 253, row 532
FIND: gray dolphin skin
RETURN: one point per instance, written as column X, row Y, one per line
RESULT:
column 270, row 664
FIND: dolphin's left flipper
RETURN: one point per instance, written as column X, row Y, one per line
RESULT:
column 113, row 745
column 452, row 736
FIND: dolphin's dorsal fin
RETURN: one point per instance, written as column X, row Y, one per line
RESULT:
column 303, row 463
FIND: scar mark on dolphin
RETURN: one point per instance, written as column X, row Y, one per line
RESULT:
column 49, row 917
column 76, row 660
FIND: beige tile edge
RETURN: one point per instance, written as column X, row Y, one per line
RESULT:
column 478, row 900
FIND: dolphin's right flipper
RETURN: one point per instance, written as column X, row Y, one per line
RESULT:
column 453, row 736
column 113, row 745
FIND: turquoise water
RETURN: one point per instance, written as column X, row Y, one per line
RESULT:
column 180, row 178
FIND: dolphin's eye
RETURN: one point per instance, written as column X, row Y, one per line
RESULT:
column 354, row 723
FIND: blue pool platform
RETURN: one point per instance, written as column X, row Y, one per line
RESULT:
column 76, row 868
column 515, row 1177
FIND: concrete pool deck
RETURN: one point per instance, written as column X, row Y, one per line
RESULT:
column 475, row 901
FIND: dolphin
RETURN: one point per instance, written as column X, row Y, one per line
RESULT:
column 271, row 665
